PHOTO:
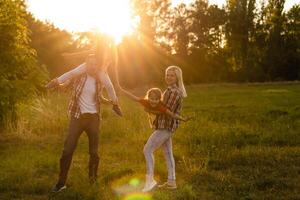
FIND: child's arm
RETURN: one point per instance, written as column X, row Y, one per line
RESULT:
column 83, row 53
column 176, row 116
column 154, row 112
column 129, row 95
column 66, row 77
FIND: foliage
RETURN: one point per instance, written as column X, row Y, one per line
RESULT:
column 243, row 41
column 20, row 75
column 50, row 43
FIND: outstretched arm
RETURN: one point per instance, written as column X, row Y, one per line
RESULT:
column 154, row 112
column 72, row 73
column 168, row 112
column 66, row 76
column 129, row 95
column 176, row 116
column 83, row 53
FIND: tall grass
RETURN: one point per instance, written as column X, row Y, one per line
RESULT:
column 243, row 144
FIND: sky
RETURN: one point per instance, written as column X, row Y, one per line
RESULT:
column 111, row 16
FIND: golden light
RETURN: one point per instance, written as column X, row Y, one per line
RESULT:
column 109, row 16
column 113, row 17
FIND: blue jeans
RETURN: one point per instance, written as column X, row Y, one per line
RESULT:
column 160, row 139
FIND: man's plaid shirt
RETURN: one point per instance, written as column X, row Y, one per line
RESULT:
column 172, row 99
column 74, row 109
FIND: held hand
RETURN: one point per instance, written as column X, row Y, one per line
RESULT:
column 152, row 127
column 52, row 84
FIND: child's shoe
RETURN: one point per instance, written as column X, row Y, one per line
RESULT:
column 116, row 108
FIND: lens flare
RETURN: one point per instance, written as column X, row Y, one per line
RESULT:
column 135, row 182
column 138, row 196
column 130, row 188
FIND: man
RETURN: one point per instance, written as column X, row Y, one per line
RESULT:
column 83, row 110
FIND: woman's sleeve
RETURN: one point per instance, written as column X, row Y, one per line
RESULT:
column 72, row 73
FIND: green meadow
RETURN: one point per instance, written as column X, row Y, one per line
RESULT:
column 244, row 143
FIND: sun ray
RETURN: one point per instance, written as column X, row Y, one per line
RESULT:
column 113, row 17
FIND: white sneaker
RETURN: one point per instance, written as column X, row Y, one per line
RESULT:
column 150, row 184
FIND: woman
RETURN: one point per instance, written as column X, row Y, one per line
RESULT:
column 165, row 126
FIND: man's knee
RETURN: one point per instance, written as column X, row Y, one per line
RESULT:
column 67, row 153
column 94, row 156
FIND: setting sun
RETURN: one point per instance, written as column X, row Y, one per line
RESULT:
column 112, row 17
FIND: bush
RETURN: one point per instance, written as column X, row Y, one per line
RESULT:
column 20, row 75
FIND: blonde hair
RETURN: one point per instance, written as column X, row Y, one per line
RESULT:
column 179, row 83
column 156, row 91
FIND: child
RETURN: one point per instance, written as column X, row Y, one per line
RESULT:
column 104, row 55
column 153, row 104
column 165, row 127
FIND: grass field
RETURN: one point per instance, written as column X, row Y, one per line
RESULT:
column 243, row 144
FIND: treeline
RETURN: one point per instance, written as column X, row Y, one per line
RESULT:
column 246, row 40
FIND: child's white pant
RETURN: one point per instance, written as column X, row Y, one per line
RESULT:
column 105, row 80
column 160, row 139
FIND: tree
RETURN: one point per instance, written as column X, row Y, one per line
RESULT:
column 291, row 67
column 240, row 33
column 273, row 62
column 20, row 75
column 207, row 31
column 49, row 43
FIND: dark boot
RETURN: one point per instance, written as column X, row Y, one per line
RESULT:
column 93, row 168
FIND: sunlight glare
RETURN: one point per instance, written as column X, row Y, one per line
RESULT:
column 112, row 17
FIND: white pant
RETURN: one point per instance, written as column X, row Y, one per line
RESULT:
column 105, row 80
column 160, row 139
